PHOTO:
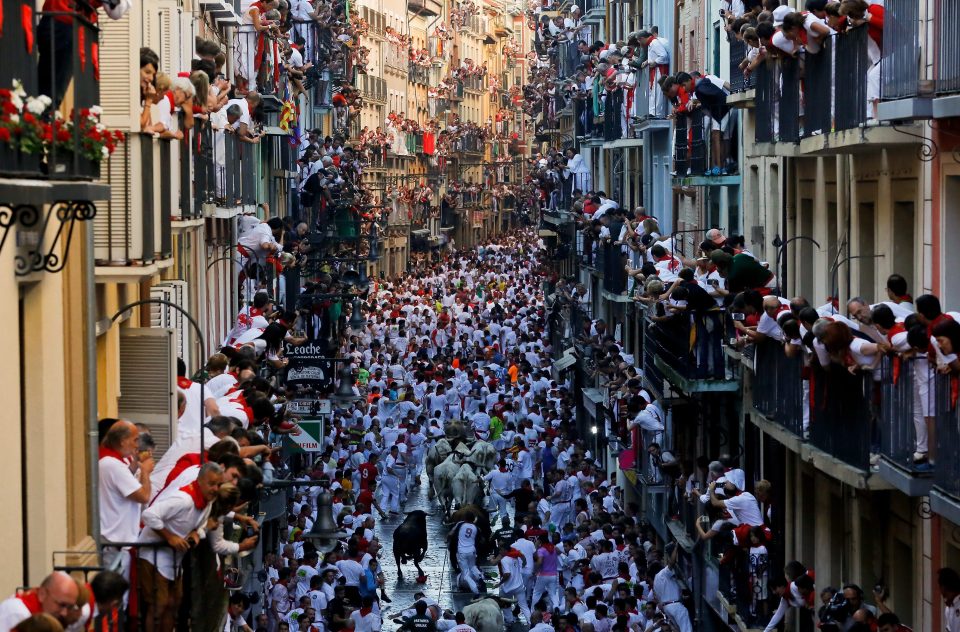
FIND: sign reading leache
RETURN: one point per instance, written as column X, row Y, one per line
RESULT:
column 308, row 366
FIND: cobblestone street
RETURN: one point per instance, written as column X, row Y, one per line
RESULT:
column 440, row 584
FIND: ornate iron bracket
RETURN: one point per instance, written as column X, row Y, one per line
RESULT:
column 927, row 150
column 37, row 257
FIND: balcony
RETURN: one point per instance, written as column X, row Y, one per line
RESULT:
column 372, row 88
column 900, row 403
column 475, row 84
column 693, row 160
column 816, row 113
column 688, row 352
column 586, row 123
column 501, row 26
column 906, row 93
column 593, row 10
column 419, row 74
column 778, row 390
column 613, row 116
column 471, row 143
column 843, row 411
column 742, row 89
column 945, row 495
column 133, row 228
column 227, row 12
column 431, row 8
column 75, row 84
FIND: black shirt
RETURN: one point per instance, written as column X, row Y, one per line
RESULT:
column 337, row 606
column 421, row 623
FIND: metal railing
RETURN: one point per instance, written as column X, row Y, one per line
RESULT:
column 842, row 413
column 419, row 74
column 778, row 386
column 947, row 55
column 585, row 126
column 691, row 345
column 852, row 63
column 946, row 474
column 818, row 90
column 476, row 84
column 767, row 83
column 900, row 404
column 689, row 144
column 76, row 82
column 613, row 115
column 900, row 71
column 738, row 52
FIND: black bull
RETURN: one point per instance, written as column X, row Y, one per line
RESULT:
column 410, row 540
column 485, row 535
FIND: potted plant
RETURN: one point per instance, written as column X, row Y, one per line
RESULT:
column 77, row 145
column 21, row 130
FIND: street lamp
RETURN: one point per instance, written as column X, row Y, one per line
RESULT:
column 325, row 534
column 357, row 321
column 345, row 394
column 781, row 246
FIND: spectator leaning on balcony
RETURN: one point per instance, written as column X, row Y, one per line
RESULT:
column 658, row 65
column 243, row 127
column 743, row 272
column 712, row 97
column 178, row 522
column 859, row 12
column 56, row 596
column 181, row 93
column 124, row 482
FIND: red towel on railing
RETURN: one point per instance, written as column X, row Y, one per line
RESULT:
column 429, row 144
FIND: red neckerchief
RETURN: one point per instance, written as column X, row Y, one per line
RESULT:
column 365, row 611
column 184, row 383
column 906, row 298
column 503, row 470
column 193, row 491
column 515, row 554
column 169, row 97
column 240, row 399
column 549, row 547
column 187, row 460
column 31, row 601
column 110, row 452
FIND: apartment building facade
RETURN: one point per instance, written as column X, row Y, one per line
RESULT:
column 833, row 200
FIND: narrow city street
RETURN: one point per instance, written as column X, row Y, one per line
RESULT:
column 440, row 584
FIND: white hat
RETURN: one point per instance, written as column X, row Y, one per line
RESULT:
column 604, row 53
column 348, row 519
column 779, row 13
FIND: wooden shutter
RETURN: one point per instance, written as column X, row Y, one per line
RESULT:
column 163, row 316
column 147, row 382
column 119, row 52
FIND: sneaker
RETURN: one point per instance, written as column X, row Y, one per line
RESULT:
column 919, row 457
column 874, row 459
column 923, row 466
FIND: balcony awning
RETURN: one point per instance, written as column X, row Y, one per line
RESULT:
column 567, row 360
column 592, row 398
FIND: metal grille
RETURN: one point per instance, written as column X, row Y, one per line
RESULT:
column 900, row 71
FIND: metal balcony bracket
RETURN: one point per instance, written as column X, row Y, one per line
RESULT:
column 927, row 150
column 33, row 255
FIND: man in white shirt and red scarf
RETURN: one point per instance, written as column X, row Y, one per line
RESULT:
column 122, row 491
column 56, row 596
column 178, row 522
column 658, row 63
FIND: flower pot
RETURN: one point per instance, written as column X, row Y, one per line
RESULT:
column 13, row 162
column 65, row 167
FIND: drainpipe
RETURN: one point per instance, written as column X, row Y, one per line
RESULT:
column 93, row 434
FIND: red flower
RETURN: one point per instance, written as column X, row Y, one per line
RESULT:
column 9, row 108
column 29, row 118
column 5, row 94
column 4, row 134
column 118, row 135
column 63, row 135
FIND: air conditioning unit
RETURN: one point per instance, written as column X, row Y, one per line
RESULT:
column 148, row 369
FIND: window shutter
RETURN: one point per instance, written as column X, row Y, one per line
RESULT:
column 147, row 373
column 120, row 71
column 163, row 316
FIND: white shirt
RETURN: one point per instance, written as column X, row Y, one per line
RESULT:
column 12, row 613
column 529, row 549
column 467, row 538
column 119, row 516
column 178, row 514
column 745, row 508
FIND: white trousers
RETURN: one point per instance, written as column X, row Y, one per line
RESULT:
column 469, row 573
column 549, row 586
column 390, row 485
